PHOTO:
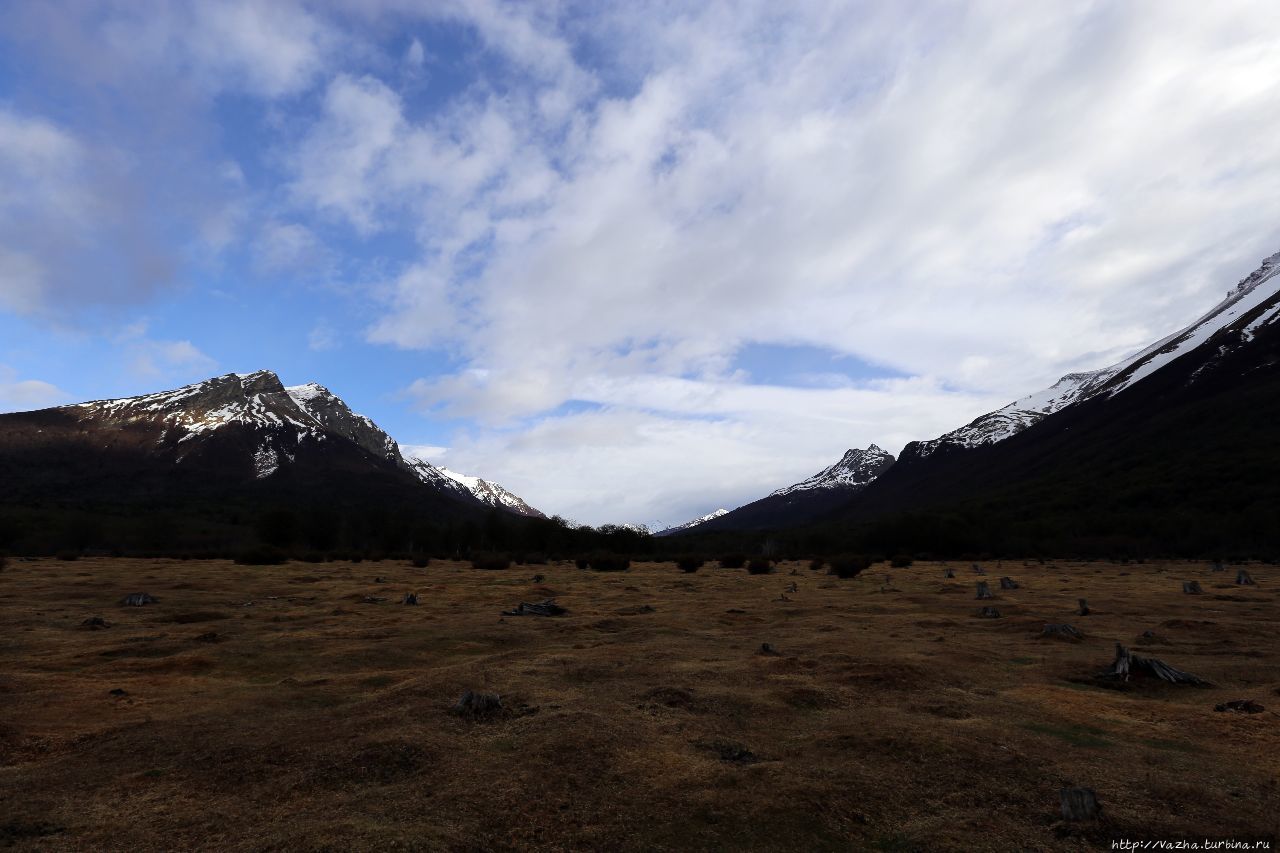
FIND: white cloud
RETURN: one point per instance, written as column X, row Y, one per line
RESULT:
column 984, row 196
column 18, row 395
column 167, row 360
column 322, row 338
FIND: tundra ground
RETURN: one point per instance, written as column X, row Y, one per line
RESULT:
column 275, row 707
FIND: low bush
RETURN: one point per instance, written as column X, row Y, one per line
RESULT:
column 67, row 555
column 609, row 563
column 491, row 562
column 535, row 559
column 849, row 566
column 900, row 561
column 312, row 557
column 759, row 566
column 421, row 562
column 582, row 562
column 262, row 556
column 689, row 564
column 733, row 561
column 816, row 564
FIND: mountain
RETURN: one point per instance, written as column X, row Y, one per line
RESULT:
column 805, row 501
column 1170, row 451
column 670, row 531
column 485, row 491
column 223, row 448
column 1248, row 297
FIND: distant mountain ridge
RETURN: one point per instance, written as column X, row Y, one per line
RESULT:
column 804, row 501
column 240, row 432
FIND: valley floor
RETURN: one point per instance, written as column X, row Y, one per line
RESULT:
column 273, row 708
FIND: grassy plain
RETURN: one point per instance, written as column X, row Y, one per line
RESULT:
column 273, row 708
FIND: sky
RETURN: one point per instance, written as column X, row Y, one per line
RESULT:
column 635, row 261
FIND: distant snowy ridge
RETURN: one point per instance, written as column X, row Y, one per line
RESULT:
column 1246, row 297
column 482, row 490
column 688, row 524
column 856, row 469
column 285, row 417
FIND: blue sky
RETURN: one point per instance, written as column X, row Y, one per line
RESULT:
column 633, row 261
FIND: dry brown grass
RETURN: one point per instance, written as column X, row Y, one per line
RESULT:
column 891, row 719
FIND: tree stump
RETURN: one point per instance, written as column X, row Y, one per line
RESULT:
column 948, row 573
column 1243, row 578
column 977, row 570
column 768, row 650
column 95, row 623
column 1218, row 567
column 1008, row 583
column 477, row 706
column 1061, row 631
column 1127, row 664
column 138, row 599
column 538, row 579
column 410, row 598
column 989, row 613
column 1191, row 587
column 983, row 591
column 1084, row 608
column 1079, row 804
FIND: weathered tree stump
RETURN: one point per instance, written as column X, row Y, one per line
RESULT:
column 1079, row 804
column 1127, row 664
column 95, row 623
column 138, row 599
column 1008, row 583
column 983, row 591
column 768, row 650
column 373, row 599
column 1061, row 631
column 1218, row 567
column 1084, row 607
column 1243, row 578
column 949, row 573
column 410, row 598
column 1241, row 706
column 547, row 607
column 1191, row 587
column 977, row 570
column 792, row 587
column 538, row 579
column 989, row 613
column 477, row 706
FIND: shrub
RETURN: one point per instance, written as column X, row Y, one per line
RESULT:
column 689, row 564
column 582, row 562
column 900, row 561
column 491, row 562
column 262, row 556
column 733, row 561
column 68, row 555
column 421, row 562
column 4, row 561
column 849, row 566
column 759, row 566
column 605, row 562
column 816, row 564
column 356, row 558
column 312, row 557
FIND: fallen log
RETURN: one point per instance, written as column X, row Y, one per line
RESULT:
column 1127, row 664
column 138, row 599
column 1061, row 631
column 541, row 608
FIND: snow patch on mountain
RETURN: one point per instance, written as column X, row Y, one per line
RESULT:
column 482, row 490
column 1252, row 292
column 855, row 470
column 690, row 524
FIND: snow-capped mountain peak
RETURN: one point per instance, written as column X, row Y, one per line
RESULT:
column 482, row 490
column 855, row 469
column 1253, row 300
column 694, row 523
